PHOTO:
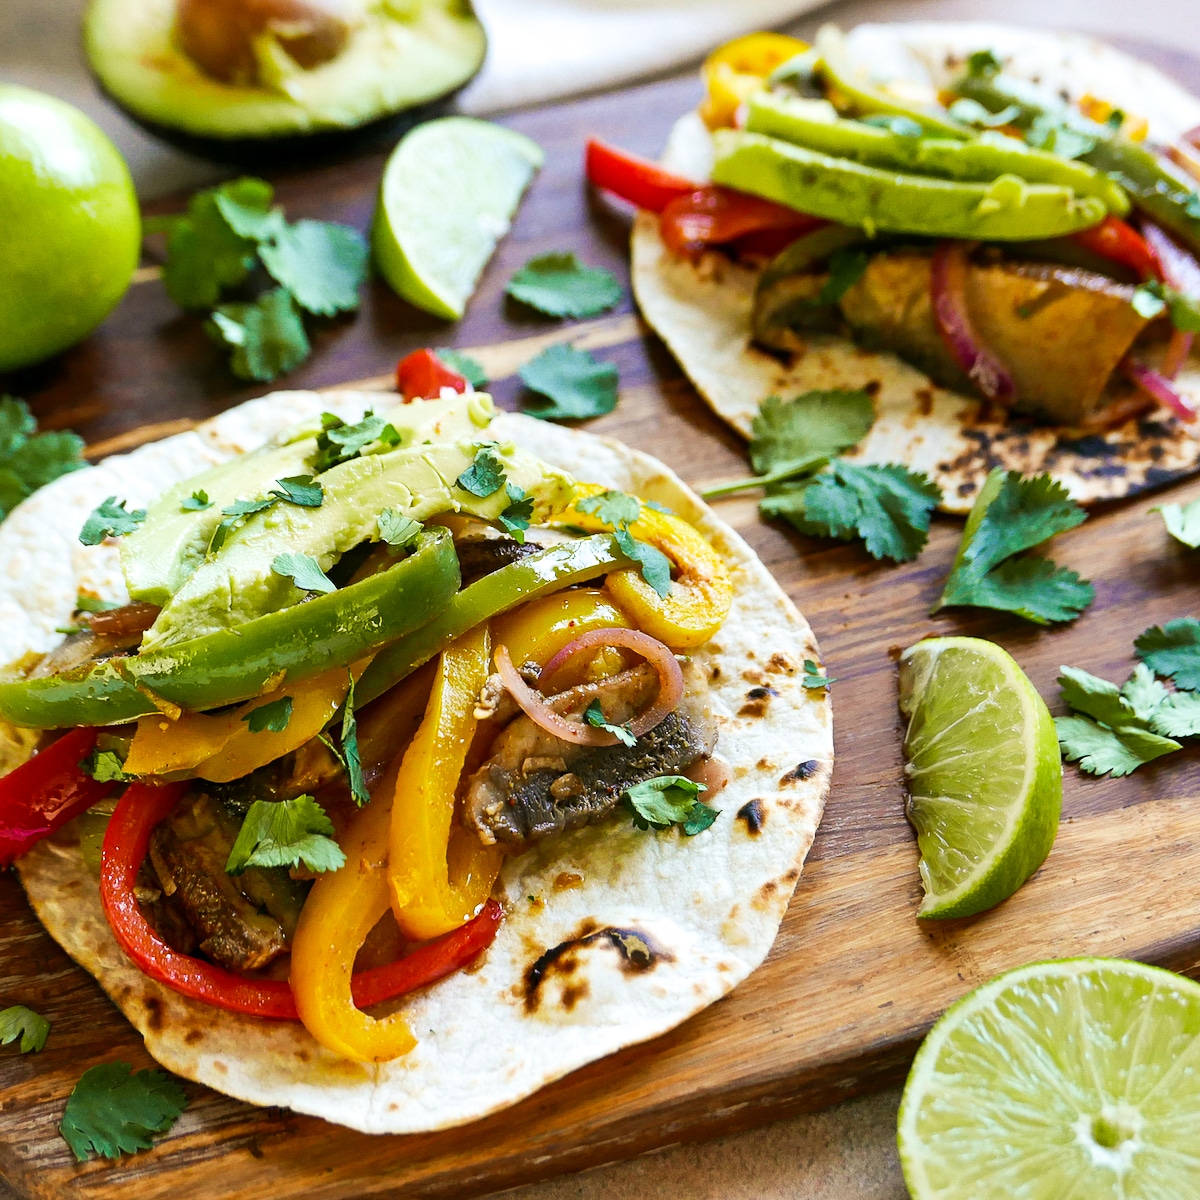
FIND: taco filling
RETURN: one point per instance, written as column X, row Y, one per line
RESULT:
column 357, row 670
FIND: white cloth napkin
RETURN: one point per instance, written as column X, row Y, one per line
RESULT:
column 545, row 49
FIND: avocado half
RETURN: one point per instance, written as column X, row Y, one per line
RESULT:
column 401, row 54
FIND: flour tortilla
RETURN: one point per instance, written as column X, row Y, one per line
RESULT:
column 703, row 310
column 663, row 925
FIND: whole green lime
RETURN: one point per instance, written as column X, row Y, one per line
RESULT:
column 69, row 226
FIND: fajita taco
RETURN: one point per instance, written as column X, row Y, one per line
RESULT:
column 994, row 231
column 494, row 658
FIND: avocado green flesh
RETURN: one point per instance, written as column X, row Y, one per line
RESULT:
column 399, row 56
column 1006, row 209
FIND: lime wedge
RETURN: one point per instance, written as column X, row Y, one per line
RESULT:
column 448, row 195
column 1072, row 1080
column 983, row 771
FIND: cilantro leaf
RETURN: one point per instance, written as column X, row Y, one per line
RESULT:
column 197, row 502
column 1013, row 515
column 28, row 459
column 846, row 268
column 338, row 442
column 267, row 336
column 616, row 509
column 469, row 368
column 656, row 566
column 807, row 428
column 246, row 205
column 114, row 1110
column 302, row 490
column 110, row 519
column 233, row 515
column 517, row 516
column 1182, row 522
column 32, row 1028
column 1100, row 750
column 594, row 716
column 270, row 718
column 1178, row 715
column 576, row 384
column 669, row 800
column 285, row 833
column 321, row 263
column 351, row 758
column 983, row 63
column 559, row 285
column 889, row 507
column 1095, row 697
column 813, row 679
column 17, row 425
column 1144, row 694
column 1173, row 650
column 484, row 476
column 304, row 571
column 104, row 766
column 93, row 604
column 397, row 529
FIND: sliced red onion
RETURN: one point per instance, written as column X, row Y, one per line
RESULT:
column 948, row 287
column 1153, row 384
column 658, row 655
column 1179, row 266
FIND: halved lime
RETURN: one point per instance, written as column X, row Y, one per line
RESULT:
column 448, row 195
column 1074, row 1080
column 983, row 771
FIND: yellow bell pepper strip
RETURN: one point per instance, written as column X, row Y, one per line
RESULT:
column 342, row 908
column 243, row 661
column 552, row 570
column 701, row 590
column 440, row 873
column 734, row 70
column 537, row 631
column 223, row 748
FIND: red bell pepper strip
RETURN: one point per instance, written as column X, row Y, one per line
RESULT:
column 713, row 216
column 1122, row 244
column 421, row 375
column 125, row 843
column 638, row 180
column 44, row 793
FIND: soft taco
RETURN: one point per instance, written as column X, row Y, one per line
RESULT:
column 397, row 692
column 994, row 231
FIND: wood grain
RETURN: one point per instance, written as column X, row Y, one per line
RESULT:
column 853, row 980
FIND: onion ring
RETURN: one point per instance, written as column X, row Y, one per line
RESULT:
column 1153, row 384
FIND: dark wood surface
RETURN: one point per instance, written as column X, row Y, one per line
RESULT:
column 853, row 980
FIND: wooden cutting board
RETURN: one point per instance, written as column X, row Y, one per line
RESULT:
column 853, row 981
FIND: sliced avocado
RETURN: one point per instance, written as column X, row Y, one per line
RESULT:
column 166, row 549
column 392, row 56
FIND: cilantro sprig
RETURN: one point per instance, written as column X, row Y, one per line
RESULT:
column 285, row 833
column 230, row 231
column 396, row 529
column 28, row 459
column 114, row 1110
column 301, row 490
column 795, row 451
column 339, row 441
column 559, row 285
column 272, row 717
column 104, row 766
column 594, row 716
column 110, row 518
column 304, row 571
column 32, row 1028
column 348, row 754
column 619, row 511
column 669, row 800
column 573, row 383
column 485, row 476
column 991, row 570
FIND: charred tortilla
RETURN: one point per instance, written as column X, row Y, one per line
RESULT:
column 703, row 309
column 657, row 927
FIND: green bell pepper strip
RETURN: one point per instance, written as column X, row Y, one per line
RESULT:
column 1163, row 192
column 979, row 160
column 242, row 661
column 860, row 98
column 1007, row 209
column 552, row 570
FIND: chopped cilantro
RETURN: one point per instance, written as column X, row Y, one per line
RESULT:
column 28, row 459
column 669, row 800
column 267, row 336
column 594, row 716
column 1100, row 750
column 469, row 368
column 813, row 680
column 983, row 63
column 246, row 205
column 1173, row 650
column 484, row 476
column 197, row 502
column 270, row 718
column 285, row 833
column 304, row 571
column 352, row 759
column 616, row 509
column 846, row 268
column 233, row 515
column 114, row 1110
column 397, row 529
column 338, row 442
column 656, row 566
column 1011, row 516
column 559, row 285
column 32, row 1028
column 110, row 519
column 322, row 264
column 302, row 490
column 93, row 604
column 104, row 766
column 516, row 517
column 576, row 384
